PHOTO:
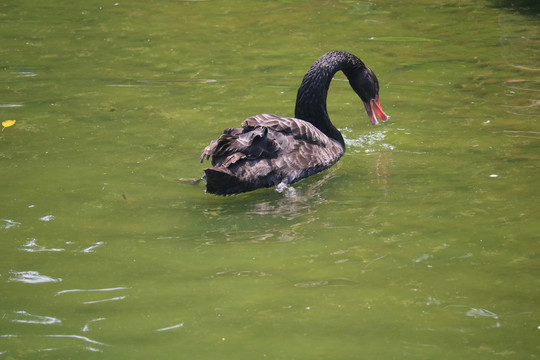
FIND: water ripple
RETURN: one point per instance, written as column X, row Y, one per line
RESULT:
column 371, row 142
column 86, row 326
column 84, row 338
column 329, row 282
column 32, row 246
column 171, row 327
column 47, row 218
column 28, row 318
column 474, row 312
column 9, row 224
column 91, row 290
column 115, row 298
column 104, row 300
column 31, row 277
column 91, row 248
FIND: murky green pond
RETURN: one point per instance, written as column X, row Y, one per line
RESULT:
column 421, row 243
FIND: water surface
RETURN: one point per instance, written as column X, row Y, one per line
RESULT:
column 421, row 243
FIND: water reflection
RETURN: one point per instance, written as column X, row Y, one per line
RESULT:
column 298, row 200
column 302, row 199
column 298, row 205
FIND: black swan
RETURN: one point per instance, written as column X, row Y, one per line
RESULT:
column 271, row 150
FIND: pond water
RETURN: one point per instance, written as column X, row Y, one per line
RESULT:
column 421, row 243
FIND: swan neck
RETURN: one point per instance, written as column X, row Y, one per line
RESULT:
column 311, row 98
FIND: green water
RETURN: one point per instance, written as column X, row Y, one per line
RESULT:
column 421, row 243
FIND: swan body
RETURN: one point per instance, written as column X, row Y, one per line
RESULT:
column 270, row 150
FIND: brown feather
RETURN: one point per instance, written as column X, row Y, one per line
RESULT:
column 266, row 151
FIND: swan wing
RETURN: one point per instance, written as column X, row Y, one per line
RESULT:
column 266, row 151
column 299, row 129
column 244, row 143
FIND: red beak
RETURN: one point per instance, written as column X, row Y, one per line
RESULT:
column 374, row 111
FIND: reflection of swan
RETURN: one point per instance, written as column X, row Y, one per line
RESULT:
column 259, row 219
column 271, row 150
column 300, row 201
column 299, row 207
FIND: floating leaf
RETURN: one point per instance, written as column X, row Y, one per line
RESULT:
column 8, row 123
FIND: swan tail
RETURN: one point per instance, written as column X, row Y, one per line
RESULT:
column 221, row 181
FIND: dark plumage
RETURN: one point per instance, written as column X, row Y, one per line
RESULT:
column 271, row 150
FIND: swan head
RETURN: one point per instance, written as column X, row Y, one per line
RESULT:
column 365, row 84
